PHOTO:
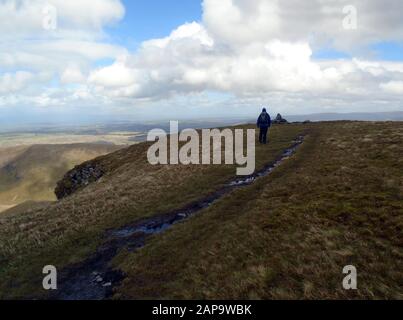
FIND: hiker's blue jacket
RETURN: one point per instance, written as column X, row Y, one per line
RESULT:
column 264, row 120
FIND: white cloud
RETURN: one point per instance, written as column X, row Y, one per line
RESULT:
column 13, row 82
column 72, row 74
column 239, row 22
column 116, row 75
column 254, row 47
column 26, row 17
column 393, row 87
column 67, row 53
column 255, row 51
column 194, row 62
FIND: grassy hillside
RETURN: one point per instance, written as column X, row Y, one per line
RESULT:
column 8, row 154
column 338, row 201
column 69, row 230
column 31, row 173
column 24, row 207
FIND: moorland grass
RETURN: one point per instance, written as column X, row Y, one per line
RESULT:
column 337, row 202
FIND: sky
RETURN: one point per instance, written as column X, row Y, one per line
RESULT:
column 145, row 20
column 100, row 60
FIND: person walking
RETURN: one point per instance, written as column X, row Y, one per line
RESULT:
column 263, row 123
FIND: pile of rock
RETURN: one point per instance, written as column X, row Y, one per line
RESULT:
column 78, row 178
column 280, row 120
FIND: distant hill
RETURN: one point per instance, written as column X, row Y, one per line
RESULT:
column 358, row 116
column 31, row 173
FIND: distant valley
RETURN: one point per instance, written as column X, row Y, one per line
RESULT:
column 34, row 158
column 30, row 173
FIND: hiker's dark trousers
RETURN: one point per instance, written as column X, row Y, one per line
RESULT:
column 263, row 134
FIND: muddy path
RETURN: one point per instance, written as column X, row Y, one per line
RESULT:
column 94, row 278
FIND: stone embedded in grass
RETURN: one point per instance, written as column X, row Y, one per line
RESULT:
column 79, row 177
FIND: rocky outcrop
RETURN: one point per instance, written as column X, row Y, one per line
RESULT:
column 280, row 120
column 78, row 178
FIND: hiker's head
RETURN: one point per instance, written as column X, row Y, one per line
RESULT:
column 264, row 110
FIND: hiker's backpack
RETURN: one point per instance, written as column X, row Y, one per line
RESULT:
column 265, row 119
